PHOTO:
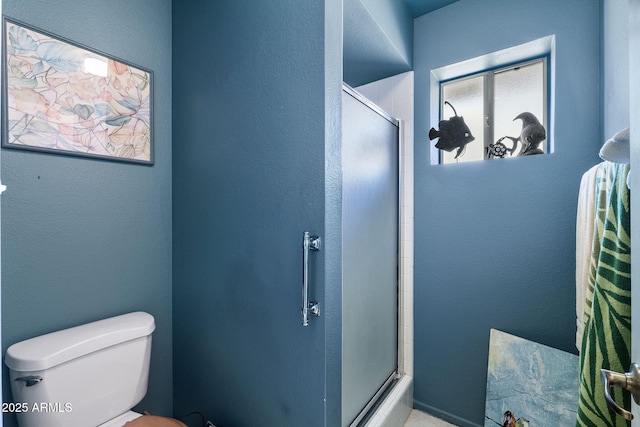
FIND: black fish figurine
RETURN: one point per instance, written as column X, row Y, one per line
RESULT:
column 454, row 133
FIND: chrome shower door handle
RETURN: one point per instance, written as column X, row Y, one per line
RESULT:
column 629, row 381
column 309, row 243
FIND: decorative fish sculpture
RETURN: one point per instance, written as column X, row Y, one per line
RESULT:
column 453, row 133
column 532, row 134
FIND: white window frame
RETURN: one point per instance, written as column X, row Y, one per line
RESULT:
column 492, row 63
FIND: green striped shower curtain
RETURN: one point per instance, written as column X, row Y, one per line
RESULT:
column 606, row 341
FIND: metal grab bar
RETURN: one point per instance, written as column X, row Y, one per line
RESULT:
column 629, row 381
column 309, row 243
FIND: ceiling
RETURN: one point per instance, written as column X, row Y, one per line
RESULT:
column 420, row 7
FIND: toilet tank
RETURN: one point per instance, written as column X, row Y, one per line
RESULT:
column 81, row 376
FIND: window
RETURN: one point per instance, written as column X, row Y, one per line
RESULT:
column 490, row 104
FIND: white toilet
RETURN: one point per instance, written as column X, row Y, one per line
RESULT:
column 87, row 376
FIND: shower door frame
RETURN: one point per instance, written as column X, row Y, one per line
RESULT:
column 369, row 409
column 634, row 117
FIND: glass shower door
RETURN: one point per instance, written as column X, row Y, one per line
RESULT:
column 370, row 200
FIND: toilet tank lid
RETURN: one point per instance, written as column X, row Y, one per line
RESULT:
column 46, row 351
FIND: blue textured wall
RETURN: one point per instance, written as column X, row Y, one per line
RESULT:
column 257, row 90
column 85, row 239
column 378, row 40
column 396, row 21
column 495, row 241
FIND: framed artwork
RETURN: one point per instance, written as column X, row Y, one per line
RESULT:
column 529, row 384
column 64, row 98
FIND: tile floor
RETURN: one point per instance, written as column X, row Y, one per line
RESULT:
column 422, row 419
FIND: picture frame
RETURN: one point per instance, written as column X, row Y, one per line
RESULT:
column 529, row 384
column 64, row 98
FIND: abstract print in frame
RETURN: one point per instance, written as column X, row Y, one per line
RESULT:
column 529, row 384
column 63, row 98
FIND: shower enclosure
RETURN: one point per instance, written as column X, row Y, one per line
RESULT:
column 370, row 211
